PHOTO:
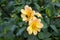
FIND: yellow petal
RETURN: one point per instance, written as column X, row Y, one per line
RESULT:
column 23, row 17
column 32, row 19
column 38, row 20
column 38, row 14
column 29, row 30
column 35, row 32
column 40, row 25
column 23, row 11
column 28, row 8
column 38, row 29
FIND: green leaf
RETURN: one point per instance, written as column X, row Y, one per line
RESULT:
column 21, row 24
column 37, row 7
column 57, row 4
column 47, row 39
column 54, row 28
column 32, row 38
column 9, row 36
column 26, row 35
column 50, row 10
column 28, row 2
column 12, row 28
column 53, row 0
column 0, row 13
column 18, row 8
column 57, row 23
column 18, row 2
column 47, row 34
column 55, row 34
column 1, row 21
column 20, row 31
column 43, row 35
column 47, row 19
column 44, row 24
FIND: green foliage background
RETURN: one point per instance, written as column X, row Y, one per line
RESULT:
column 13, row 28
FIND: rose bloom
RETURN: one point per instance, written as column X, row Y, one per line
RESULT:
column 35, row 26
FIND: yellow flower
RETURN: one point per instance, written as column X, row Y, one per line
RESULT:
column 27, row 13
column 35, row 26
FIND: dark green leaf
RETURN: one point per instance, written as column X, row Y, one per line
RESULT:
column 44, row 35
column 44, row 24
column 37, row 7
column 32, row 38
column 54, row 28
column 41, row 35
column 20, row 31
column 57, row 4
column 47, row 39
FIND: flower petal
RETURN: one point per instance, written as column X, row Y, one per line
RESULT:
column 23, row 17
column 38, row 14
column 35, row 32
column 40, row 25
column 29, row 30
column 32, row 19
column 28, row 8
column 23, row 11
column 38, row 29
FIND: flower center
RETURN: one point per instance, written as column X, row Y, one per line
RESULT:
column 34, row 26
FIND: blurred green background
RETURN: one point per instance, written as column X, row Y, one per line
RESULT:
column 13, row 28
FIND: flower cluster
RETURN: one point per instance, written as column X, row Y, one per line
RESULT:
column 28, row 15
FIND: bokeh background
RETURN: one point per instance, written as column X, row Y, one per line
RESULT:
column 13, row 28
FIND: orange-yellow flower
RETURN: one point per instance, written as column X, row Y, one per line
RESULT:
column 27, row 13
column 35, row 26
